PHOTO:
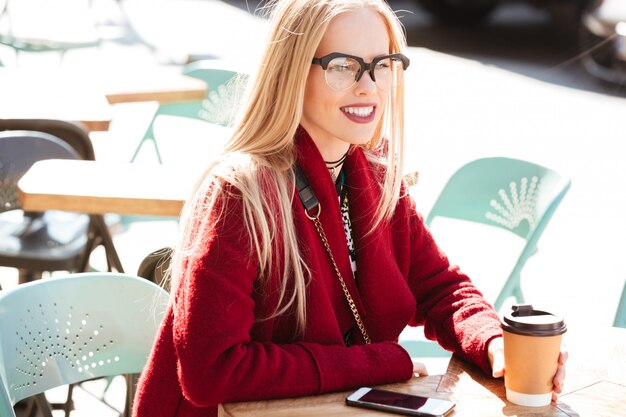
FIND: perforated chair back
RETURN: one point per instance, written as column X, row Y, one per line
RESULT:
column 19, row 150
column 224, row 88
column 155, row 267
column 512, row 194
column 74, row 328
column 35, row 242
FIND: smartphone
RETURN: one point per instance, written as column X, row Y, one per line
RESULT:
column 400, row 403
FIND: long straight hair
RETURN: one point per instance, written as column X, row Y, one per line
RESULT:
column 260, row 154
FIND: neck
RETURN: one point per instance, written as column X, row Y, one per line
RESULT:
column 337, row 162
column 335, row 155
column 332, row 149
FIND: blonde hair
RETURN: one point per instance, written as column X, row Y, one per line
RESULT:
column 260, row 155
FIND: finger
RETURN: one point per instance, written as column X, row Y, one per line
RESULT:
column 497, row 368
column 564, row 355
column 559, row 379
column 419, row 368
column 495, row 351
column 555, row 397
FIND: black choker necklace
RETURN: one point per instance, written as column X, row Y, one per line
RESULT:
column 333, row 165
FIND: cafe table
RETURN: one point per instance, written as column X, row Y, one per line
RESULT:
column 86, row 96
column 99, row 187
column 37, row 94
column 595, row 386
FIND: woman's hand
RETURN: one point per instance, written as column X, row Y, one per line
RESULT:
column 559, row 378
column 419, row 368
column 495, row 350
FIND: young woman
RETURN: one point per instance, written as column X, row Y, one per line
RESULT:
column 302, row 256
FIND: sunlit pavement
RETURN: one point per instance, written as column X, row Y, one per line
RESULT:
column 457, row 110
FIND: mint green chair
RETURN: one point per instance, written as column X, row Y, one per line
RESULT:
column 64, row 330
column 620, row 315
column 218, row 106
column 511, row 194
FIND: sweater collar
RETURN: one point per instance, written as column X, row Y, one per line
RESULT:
column 360, row 177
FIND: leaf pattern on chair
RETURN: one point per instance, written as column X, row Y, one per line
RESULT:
column 517, row 205
column 221, row 105
column 71, row 337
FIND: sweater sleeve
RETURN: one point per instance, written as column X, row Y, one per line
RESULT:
column 451, row 308
column 214, row 312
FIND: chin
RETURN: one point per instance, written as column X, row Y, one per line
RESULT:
column 358, row 136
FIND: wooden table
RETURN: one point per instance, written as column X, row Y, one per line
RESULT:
column 86, row 97
column 595, row 386
column 98, row 187
column 161, row 84
column 36, row 94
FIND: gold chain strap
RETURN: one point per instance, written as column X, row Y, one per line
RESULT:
column 351, row 304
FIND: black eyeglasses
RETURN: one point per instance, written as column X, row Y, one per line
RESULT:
column 342, row 71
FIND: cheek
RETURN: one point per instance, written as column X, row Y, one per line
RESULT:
column 321, row 100
column 383, row 103
column 314, row 92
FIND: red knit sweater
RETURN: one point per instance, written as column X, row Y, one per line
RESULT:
column 211, row 350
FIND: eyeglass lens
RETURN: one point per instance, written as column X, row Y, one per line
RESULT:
column 341, row 72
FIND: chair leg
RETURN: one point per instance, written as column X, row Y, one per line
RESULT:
column 131, row 382
column 142, row 144
column 42, row 404
column 26, row 275
column 69, row 403
column 99, row 235
column 113, row 259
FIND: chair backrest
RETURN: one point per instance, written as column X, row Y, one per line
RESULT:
column 155, row 267
column 19, row 150
column 620, row 314
column 222, row 97
column 224, row 89
column 75, row 135
column 64, row 330
column 516, row 195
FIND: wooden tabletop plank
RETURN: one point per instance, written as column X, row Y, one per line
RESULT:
column 36, row 94
column 97, row 187
column 161, row 84
column 85, row 97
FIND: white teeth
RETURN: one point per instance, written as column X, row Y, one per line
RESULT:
column 359, row 111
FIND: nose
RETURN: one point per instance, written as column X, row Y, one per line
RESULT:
column 365, row 84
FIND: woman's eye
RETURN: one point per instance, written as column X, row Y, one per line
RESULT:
column 343, row 66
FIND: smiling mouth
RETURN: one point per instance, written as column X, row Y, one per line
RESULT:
column 359, row 111
column 360, row 114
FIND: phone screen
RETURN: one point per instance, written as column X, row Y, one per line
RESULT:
column 400, row 402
